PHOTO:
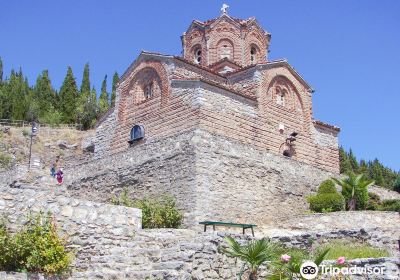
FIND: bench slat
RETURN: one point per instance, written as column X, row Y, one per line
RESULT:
column 227, row 224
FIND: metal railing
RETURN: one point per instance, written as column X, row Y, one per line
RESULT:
column 18, row 123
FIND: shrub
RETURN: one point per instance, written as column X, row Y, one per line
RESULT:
column 390, row 205
column 25, row 132
column 35, row 248
column 396, row 186
column 5, row 160
column 156, row 213
column 327, row 199
column 329, row 202
column 327, row 186
column 374, row 201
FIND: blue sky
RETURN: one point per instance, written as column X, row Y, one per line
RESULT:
column 348, row 50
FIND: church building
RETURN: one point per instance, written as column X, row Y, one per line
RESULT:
column 217, row 127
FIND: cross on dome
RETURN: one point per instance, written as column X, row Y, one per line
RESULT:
column 224, row 8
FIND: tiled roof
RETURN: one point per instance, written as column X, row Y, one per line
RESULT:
column 334, row 127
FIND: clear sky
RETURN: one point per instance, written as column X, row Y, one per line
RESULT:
column 348, row 50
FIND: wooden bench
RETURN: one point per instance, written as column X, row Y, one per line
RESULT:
column 213, row 224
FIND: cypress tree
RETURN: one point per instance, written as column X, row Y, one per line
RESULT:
column 44, row 94
column 103, row 99
column 85, row 85
column 114, row 88
column 69, row 98
column 1, row 71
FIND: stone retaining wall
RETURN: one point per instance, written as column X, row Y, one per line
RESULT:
column 89, row 226
column 384, row 193
column 210, row 176
column 378, row 228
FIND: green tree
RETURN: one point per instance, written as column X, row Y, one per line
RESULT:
column 396, row 185
column 345, row 165
column 355, row 190
column 44, row 95
column 87, row 111
column 114, row 88
column 69, row 98
column 376, row 172
column 17, row 92
column 85, row 85
column 1, row 71
column 353, row 162
column 103, row 99
column 254, row 254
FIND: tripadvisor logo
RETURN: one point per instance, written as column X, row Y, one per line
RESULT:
column 309, row 270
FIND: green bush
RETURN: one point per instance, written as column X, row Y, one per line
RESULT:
column 396, row 186
column 390, row 205
column 156, row 213
column 374, row 202
column 25, row 132
column 329, row 202
column 5, row 160
column 37, row 247
column 327, row 186
column 327, row 199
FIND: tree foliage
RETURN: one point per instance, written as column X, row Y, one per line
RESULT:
column 103, row 99
column 114, row 88
column 254, row 253
column 373, row 170
column 41, row 102
column 355, row 190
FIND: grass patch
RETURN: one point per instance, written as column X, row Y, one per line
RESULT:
column 351, row 250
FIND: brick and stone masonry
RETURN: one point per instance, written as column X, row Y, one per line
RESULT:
column 217, row 126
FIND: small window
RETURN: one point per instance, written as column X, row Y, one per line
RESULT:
column 137, row 133
column 197, row 56
column 253, row 54
column 148, row 91
column 280, row 98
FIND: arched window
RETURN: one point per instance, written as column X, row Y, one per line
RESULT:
column 148, row 91
column 280, row 98
column 197, row 55
column 225, row 49
column 253, row 54
column 137, row 133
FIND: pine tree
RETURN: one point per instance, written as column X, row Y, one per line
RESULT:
column 69, row 98
column 114, row 88
column 88, row 115
column 353, row 162
column 103, row 99
column 44, row 95
column 376, row 172
column 345, row 165
column 17, row 92
column 1, row 71
column 85, row 85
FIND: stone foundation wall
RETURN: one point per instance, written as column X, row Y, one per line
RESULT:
column 212, row 177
